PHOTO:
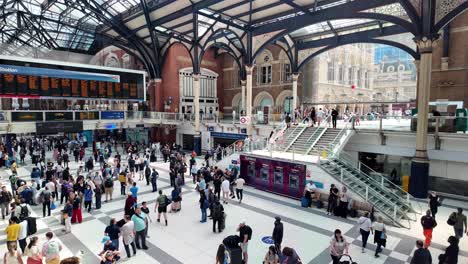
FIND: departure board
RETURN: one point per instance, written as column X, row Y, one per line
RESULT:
column 35, row 78
column 75, row 87
column 55, row 87
column 21, row 84
column 33, row 85
column 92, row 88
column 102, row 89
column 9, row 84
column 84, row 88
column 66, row 88
column 45, row 86
column 110, row 89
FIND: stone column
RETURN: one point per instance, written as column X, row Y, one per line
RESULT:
column 295, row 77
column 419, row 179
column 155, row 95
column 249, row 80
column 196, row 101
column 242, row 97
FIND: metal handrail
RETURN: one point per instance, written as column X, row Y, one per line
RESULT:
column 313, row 134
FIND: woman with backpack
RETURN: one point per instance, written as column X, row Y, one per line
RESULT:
column 204, row 204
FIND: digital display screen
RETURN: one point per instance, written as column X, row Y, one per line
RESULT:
column 46, row 79
column 43, row 128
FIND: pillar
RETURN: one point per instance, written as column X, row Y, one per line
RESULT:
column 295, row 77
column 419, row 179
column 249, row 80
column 242, row 97
column 155, row 95
column 196, row 111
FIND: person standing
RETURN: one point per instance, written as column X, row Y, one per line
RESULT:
column 332, row 199
column 108, row 187
column 365, row 224
column 138, row 220
column 421, row 255
column 217, row 186
column 217, row 213
column 88, row 198
column 240, row 188
column 380, row 236
column 334, row 114
column 338, row 246
column 428, row 223
column 134, row 191
column 245, row 233
column 434, row 203
column 204, row 204
column 344, row 201
column 5, row 199
column 128, row 236
column 51, row 249
column 161, row 205
column 76, row 213
column 225, row 188
column 113, row 232
column 278, row 233
column 460, row 222
column 148, row 219
column 123, row 182
column 147, row 174
column 154, row 180
column 46, row 200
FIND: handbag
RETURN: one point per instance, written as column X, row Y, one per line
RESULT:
column 451, row 221
column 52, row 206
column 383, row 235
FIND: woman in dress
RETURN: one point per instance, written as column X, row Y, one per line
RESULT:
column 33, row 252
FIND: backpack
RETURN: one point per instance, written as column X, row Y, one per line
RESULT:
column 205, row 204
column 217, row 212
column 45, row 196
column 109, row 183
column 167, row 201
column 24, row 213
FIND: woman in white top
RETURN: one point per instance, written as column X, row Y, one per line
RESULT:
column 365, row 225
column 380, row 237
column 225, row 188
column 338, row 246
column 33, row 252
column 344, row 199
column 12, row 256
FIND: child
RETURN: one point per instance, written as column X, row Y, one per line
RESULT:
column 67, row 219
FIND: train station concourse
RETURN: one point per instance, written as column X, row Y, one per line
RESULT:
column 233, row 131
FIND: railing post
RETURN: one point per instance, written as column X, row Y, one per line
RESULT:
column 293, row 154
column 342, row 175
column 382, row 180
column 367, row 192
column 44, row 116
column 359, row 166
column 380, row 124
column 394, row 212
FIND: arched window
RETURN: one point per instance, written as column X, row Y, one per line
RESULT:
column 390, row 69
column 401, row 67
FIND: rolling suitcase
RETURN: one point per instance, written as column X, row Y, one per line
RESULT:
column 304, row 202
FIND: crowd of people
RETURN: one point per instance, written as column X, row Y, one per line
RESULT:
column 53, row 185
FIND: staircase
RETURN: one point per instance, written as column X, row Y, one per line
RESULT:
column 305, row 140
column 290, row 135
column 324, row 141
column 389, row 200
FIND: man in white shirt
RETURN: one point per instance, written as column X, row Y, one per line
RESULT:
column 365, row 224
column 128, row 235
column 310, row 192
column 239, row 188
column 23, row 234
column 225, row 188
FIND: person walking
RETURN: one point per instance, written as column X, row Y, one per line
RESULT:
column 12, row 230
column 88, row 198
column 33, row 252
column 245, row 233
column 278, row 233
column 225, row 188
column 434, row 203
column 380, row 236
column 421, row 254
column 23, row 234
column 128, row 235
column 240, row 188
column 134, row 190
column 147, row 174
column 108, row 187
column 332, row 199
column 459, row 221
column 450, row 255
column 217, row 214
column 148, row 219
column 123, row 182
column 5, row 199
column 161, row 205
column 139, row 222
column 51, row 249
column 76, row 213
column 364, row 224
column 338, row 246
column 428, row 223
column 12, row 256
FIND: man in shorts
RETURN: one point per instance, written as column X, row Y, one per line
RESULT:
column 245, row 233
column 161, row 204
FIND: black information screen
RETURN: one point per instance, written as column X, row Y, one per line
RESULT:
column 43, row 128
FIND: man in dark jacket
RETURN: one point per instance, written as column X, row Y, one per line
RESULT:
column 421, row 255
column 428, row 223
column 278, row 233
